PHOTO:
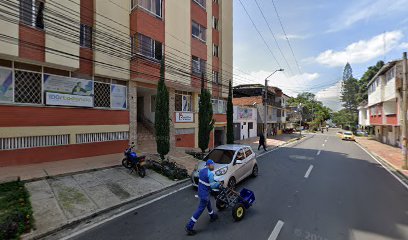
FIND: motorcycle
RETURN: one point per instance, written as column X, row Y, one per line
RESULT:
column 134, row 162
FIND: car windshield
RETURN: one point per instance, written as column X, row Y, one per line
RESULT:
column 220, row 156
column 347, row 133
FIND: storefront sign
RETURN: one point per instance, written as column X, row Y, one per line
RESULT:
column 6, row 85
column 244, row 113
column 118, row 96
column 184, row 117
column 59, row 99
column 67, row 85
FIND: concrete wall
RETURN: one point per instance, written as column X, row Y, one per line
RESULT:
column 226, row 24
column 117, row 12
column 9, row 29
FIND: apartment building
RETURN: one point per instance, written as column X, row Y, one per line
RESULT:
column 384, row 103
column 363, row 115
column 78, row 78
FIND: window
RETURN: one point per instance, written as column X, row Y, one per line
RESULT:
column 219, row 106
column 240, row 155
column 215, row 23
column 390, row 74
column 198, row 31
column 32, row 13
column 198, row 65
column 215, row 50
column 220, row 156
column 153, row 103
column 85, row 36
column 215, row 77
column 201, row 3
column 250, row 125
column 248, row 152
column 28, row 87
column 183, row 101
column 147, row 47
column 153, row 6
column 102, row 95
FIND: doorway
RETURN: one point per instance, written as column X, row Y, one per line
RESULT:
column 140, row 109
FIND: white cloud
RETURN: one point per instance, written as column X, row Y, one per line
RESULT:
column 331, row 96
column 361, row 51
column 293, row 36
column 366, row 10
column 403, row 46
column 290, row 85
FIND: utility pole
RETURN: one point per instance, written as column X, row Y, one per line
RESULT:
column 265, row 109
column 404, row 109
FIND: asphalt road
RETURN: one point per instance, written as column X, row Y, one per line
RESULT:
column 345, row 195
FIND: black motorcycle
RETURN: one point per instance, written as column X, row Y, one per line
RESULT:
column 134, row 162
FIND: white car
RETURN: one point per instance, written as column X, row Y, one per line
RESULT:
column 233, row 163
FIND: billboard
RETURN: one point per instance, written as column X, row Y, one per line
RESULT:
column 184, row 117
column 244, row 113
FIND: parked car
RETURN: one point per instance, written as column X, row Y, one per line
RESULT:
column 348, row 136
column 361, row 133
column 233, row 163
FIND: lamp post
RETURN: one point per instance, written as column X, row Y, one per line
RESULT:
column 265, row 101
column 299, row 108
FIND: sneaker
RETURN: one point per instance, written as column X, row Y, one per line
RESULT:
column 190, row 232
column 214, row 217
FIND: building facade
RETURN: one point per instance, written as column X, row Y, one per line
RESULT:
column 78, row 78
column 245, row 118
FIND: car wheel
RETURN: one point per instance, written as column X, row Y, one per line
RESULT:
column 238, row 212
column 255, row 170
column 232, row 182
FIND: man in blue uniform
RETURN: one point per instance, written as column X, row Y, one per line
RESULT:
column 205, row 184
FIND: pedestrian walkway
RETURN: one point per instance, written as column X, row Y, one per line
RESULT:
column 270, row 142
column 390, row 154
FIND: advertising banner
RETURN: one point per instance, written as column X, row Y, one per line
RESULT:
column 244, row 113
column 6, row 85
column 67, row 85
column 59, row 99
column 118, row 96
column 184, row 117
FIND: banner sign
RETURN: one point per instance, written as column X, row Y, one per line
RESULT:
column 118, row 96
column 6, row 85
column 184, row 117
column 59, row 99
column 67, row 85
column 244, row 113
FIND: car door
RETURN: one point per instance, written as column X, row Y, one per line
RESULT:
column 249, row 161
column 239, row 167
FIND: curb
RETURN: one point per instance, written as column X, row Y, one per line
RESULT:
column 385, row 163
column 95, row 214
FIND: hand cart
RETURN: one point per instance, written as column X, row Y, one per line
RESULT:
column 239, row 201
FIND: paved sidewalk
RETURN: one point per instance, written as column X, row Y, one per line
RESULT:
column 390, row 154
column 66, row 199
column 270, row 142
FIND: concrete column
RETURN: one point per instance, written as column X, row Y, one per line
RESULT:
column 132, row 100
column 172, row 103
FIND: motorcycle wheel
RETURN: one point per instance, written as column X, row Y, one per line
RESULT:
column 126, row 163
column 141, row 171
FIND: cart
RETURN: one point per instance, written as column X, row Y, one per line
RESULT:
column 239, row 201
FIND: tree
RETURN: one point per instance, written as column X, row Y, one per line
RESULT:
column 230, row 113
column 365, row 79
column 205, row 117
column 162, row 119
column 350, row 90
column 311, row 108
column 345, row 119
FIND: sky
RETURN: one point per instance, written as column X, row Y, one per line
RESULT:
column 324, row 36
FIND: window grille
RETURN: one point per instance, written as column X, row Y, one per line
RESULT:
column 33, row 141
column 27, row 87
column 101, row 137
column 102, row 95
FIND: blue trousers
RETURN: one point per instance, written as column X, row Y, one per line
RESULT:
column 204, row 203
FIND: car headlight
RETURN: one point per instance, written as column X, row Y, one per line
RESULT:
column 221, row 171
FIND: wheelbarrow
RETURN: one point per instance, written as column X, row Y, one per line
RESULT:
column 239, row 201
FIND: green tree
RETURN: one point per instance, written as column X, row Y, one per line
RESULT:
column 345, row 119
column 230, row 112
column 162, row 119
column 365, row 79
column 205, row 117
column 312, row 110
column 350, row 90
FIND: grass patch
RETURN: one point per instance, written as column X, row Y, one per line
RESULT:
column 16, row 214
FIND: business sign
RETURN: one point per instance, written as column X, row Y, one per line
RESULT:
column 59, row 99
column 67, row 85
column 244, row 113
column 118, row 96
column 184, row 117
column 6, row 85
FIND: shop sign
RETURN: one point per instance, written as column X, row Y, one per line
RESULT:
column 59, row 99
column 244, row 113
column 67, row 85
column 6, row 85
column 118, row 96
column 184, row 117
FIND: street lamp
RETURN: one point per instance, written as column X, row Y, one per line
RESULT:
column 265, row 100
column 300, row 110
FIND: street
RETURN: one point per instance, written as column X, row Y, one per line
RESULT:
column 321, row 188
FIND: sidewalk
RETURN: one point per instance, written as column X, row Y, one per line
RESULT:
column 270, row 142
column 63, row 200
column 390, row 154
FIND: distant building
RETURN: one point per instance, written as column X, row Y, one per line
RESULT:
column 245, row 117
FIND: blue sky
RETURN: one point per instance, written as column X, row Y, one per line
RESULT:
column 324, row 35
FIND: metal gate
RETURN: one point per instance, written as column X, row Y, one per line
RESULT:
column 237, row 131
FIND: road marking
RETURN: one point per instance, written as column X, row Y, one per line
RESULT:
column 308, row 171
column 385, row 167
column 318, row 153
column 276, row 231
column 123, row 213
